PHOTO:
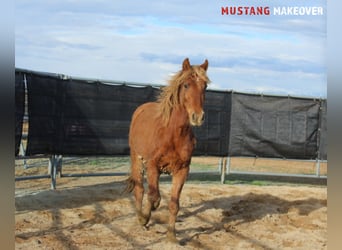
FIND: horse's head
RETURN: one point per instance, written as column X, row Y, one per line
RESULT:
column 192, row 90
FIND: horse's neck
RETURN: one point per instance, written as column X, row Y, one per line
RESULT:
column 179, row 117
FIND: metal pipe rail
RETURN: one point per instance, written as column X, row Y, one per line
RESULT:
column 224, row 173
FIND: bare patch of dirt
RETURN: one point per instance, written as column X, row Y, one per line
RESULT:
column 90, row 213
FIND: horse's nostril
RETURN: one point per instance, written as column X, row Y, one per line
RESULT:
column 196, row 119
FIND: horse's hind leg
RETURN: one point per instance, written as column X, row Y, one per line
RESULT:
column 153, row 189
column 137, row 174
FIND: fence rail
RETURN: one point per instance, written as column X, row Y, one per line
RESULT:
column 223, row 172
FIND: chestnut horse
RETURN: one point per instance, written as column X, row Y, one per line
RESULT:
column 161, row 140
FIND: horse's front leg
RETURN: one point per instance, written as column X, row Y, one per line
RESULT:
column 178, row 180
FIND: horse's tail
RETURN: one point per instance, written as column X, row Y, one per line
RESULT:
column 130, row 183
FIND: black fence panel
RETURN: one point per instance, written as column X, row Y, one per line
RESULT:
column 72, row 117
column 82, row 117
column 268, row 126
column 19, row 109
column 212, row 138
column 44, row 111
column 97, row 117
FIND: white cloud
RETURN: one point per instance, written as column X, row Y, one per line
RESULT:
column 123, row 41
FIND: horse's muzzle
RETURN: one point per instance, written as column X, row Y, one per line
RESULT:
column 197, row 119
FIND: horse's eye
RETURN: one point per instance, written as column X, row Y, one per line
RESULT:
column 186, row 85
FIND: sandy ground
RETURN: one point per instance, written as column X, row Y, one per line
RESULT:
column 90, row 213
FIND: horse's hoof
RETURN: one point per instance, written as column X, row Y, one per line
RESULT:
column 143, row 220
column 171, row 237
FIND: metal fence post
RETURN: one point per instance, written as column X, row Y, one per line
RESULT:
column 50, row 165
column 53, row 170
column 228, row 165
column 22, row 152
column 318, row 168
column 223, row 170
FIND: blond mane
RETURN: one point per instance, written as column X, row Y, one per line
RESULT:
column 169, row 96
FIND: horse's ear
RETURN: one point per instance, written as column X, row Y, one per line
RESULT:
column 186, row 64
column 205, row 65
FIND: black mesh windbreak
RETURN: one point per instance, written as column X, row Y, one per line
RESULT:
column 74, row 117
column 81, row 118
column 96, row 117
column 19, row 109
column 212, row 137
column 267, row 126
column 44, row 111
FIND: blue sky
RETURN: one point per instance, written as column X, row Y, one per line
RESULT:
column 146, row 41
